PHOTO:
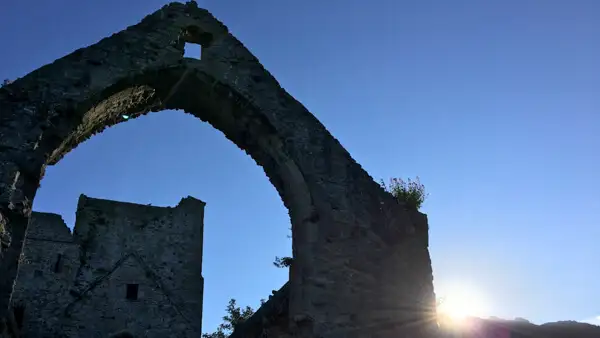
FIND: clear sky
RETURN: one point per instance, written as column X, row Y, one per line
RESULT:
column 493, row 104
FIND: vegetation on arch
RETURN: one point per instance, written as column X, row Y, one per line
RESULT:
column 283, row 262
column 286, row 261
column 410, row 192
column 234, row 316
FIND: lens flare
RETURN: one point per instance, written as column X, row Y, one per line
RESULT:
column 460, row 303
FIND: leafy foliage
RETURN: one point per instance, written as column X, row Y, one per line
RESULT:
column 283, row 262
column 235, row 315
column 410, row 192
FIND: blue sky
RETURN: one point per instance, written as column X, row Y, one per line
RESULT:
column 493, row 104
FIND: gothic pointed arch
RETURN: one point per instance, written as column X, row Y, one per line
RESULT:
column 360, row 262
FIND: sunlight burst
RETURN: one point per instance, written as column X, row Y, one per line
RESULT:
column 459, row 304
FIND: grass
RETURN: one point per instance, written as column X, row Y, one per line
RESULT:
column 411, row 193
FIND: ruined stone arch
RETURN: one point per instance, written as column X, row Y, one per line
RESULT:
column 361, row 260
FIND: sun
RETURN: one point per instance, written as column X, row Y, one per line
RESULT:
column 459, row 303
column 456, row 309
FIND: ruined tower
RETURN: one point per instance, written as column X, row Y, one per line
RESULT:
column 125, row 267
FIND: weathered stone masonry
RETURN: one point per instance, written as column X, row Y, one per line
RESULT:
column 127, row 266
column 272, row 318
column 359, row 269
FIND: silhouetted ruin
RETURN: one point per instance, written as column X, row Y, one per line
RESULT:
column 361, row 267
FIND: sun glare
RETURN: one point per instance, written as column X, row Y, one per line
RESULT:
column 460, row 303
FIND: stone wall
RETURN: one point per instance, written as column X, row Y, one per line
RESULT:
column 359, row 269
column 272, row 319
column 48, row 266
column 127, row 266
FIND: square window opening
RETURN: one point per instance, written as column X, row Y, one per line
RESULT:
column 192, row 50
column 132, row 291
column 195, row 40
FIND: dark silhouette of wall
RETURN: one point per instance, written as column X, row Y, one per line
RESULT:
column 358, row 265
column 127, row 266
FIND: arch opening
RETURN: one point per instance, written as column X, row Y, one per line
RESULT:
column 190, row 89
column 261, row 220
column 110, row 112
column 132, row 99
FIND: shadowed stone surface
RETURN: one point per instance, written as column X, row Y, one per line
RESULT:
column 77, row 285
column 272, row 318
column 359, row 268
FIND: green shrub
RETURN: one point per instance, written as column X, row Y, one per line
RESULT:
column 412, row 193
column 283, row 262
column 235, row 316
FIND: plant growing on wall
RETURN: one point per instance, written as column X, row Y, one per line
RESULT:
column 412, row 193
column 283, row 262
column 235, row 315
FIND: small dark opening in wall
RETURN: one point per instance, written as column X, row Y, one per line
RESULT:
column 58, row 264
column 19, row 313
column 38, row 273
column 195, row 39
column 132, row 291
column 194, row 34
column 192, row 50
